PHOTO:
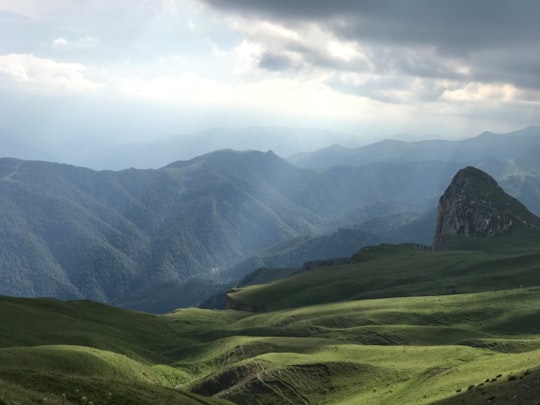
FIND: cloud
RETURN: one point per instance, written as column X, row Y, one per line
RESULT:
column 456, row 24
column 492, row 43
column 247, row 57
column 30, row 69
column 274, row 95
column 85, row 42
column 278, row 61
column 478, row 92
column 364, row 61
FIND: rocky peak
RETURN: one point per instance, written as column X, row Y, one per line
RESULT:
column 475, row 206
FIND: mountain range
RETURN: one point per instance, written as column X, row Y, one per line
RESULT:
column 517, row 144
column 158, row 239
column 101, row 152
column 120, row 237
column 511, row 158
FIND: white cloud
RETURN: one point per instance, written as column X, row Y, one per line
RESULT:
column 30, row 69
column 247, row 57
column 272, row 95
column 347, row 51
column 308, row 40
column 481, row 92
column 265, row 31
column 85, row 42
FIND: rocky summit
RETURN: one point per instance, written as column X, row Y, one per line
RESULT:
column 475, row 206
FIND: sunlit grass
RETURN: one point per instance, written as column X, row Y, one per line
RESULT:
column 415, row 348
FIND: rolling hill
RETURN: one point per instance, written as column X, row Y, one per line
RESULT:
column 414, row 349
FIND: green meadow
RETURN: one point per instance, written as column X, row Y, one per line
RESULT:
column 394, row 270
column 400, row 325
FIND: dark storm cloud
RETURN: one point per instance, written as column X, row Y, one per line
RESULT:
column 519, row 64
column 496, row 39
column 456, row 24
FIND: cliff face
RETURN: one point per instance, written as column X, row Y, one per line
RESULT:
column 475, row 206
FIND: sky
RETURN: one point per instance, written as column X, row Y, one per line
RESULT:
column 133, row 70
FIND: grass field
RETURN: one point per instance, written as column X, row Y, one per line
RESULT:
column 399, row 326
column 390, row 271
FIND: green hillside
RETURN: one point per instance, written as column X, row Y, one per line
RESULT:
column 376, row 351
column 400, row 324
column 82, row 352
column 391, row 270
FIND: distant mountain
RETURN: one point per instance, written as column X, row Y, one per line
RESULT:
column 474, row 206
column 164, row 238
column 512, row 159
column 159, row 152
column 74, row 233
column 484, row 146
column 160, row 239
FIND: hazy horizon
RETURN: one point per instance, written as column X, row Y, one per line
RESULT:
column 116, row 154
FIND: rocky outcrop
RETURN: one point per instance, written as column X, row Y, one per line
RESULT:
column 475, row 206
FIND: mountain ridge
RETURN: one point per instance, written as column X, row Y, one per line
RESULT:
column 122, row 236
column 119, row 237
column 487, row 144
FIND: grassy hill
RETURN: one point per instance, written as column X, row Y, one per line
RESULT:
column 82, row 352
column 401, row 270
column 408, row 350
column 430, row 326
